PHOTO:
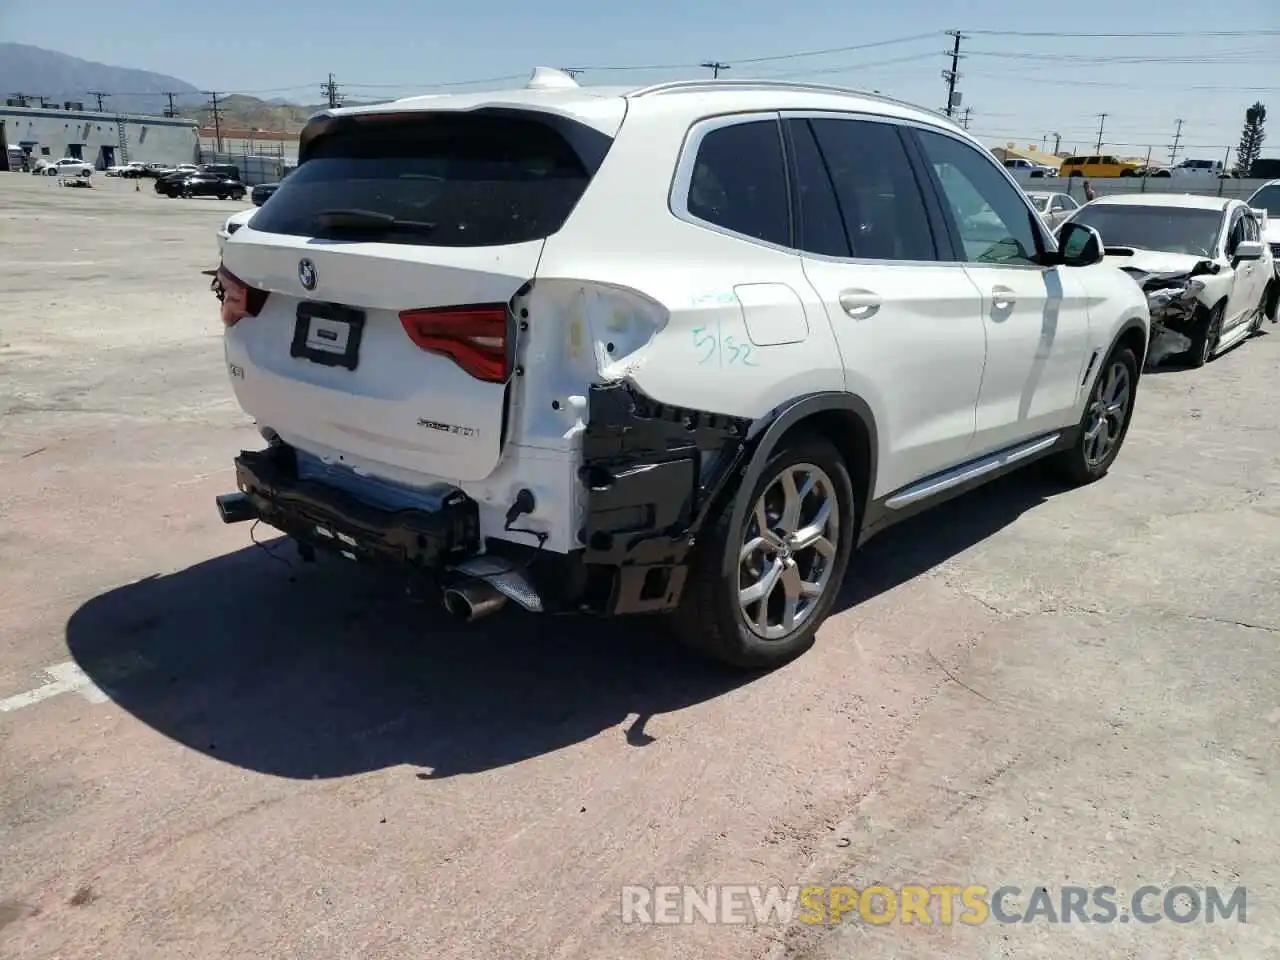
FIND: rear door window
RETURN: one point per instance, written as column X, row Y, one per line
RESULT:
column 739, row 181
column 436, row 179
column 880, row 200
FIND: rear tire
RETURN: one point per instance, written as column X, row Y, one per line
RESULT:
column 790, row 551
column 1105, row 422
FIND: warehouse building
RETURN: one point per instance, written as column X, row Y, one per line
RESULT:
column 54, row 131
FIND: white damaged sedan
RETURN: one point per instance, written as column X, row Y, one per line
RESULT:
column 1219, row 240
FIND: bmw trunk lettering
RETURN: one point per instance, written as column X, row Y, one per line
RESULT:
column 307, row 274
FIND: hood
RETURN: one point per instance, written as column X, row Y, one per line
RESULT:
column 1157, row 261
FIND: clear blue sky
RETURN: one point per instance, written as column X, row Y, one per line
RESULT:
column 1019, row 88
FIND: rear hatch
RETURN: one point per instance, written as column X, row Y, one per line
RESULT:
column 389, row 259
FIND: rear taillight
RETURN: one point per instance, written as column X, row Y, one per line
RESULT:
column 239, row 300
column 473, row 337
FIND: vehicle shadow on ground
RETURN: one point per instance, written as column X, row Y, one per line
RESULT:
column 318, row 671
column 915, row 546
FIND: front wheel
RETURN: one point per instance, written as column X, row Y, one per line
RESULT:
column 787, row 557
column 51, row 172
column 1208, row 331
column 1105, row 422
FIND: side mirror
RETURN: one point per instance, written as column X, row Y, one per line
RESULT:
column 1078, row 245
column 1248, row 250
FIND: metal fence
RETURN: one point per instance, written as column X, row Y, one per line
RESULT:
column 1240, row 189
column 255, row 168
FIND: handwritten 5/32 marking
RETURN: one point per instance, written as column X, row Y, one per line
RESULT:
column 724, row 350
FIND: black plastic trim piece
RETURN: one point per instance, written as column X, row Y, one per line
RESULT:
column 877, row 517
column 786, row 418
column 413, row 538
column 652, row 473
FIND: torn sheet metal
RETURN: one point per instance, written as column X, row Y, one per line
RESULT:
column 1173, row 299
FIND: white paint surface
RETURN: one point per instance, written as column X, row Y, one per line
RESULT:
column 63, row 678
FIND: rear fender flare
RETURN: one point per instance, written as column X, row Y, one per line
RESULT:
column 778, row 424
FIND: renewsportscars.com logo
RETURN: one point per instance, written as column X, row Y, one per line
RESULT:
column 942, row 904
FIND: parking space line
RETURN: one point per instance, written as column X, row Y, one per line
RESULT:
column 70, row 678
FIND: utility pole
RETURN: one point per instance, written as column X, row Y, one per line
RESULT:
column 171, row 110
column 1102, row 119
column 715, row 66
column 1173, row 147
column 24, row 99
column 573, row 72
column 1057, row 142
column 216, row 115
column 330, row 90
column 964, row 119
column 953, row 75
column 100, row 97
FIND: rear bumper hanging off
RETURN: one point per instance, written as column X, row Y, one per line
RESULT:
column 324, row 517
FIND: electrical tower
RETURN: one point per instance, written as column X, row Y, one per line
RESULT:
column 952, row 76
column 171, row 110
column 715, row 66
column 1057, row 142
column 964, row 117
column 330, row 91
column 216, row 116
column 1173, row 148
column 1102, row 120
column 100, row 96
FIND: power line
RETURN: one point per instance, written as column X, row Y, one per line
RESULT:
column 715, row 66
column 1190, row 34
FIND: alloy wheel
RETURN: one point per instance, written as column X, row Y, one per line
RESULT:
column 788, row 551
column 1107, row 413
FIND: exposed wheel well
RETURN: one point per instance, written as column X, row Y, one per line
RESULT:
column 847, row 432
column 1133, row 339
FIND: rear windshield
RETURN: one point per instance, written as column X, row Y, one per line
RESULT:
column 449, row 180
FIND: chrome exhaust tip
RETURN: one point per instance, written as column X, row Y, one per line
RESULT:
column 473, row 599
column 235, row 508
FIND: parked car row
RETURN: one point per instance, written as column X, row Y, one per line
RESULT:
column 208, row 180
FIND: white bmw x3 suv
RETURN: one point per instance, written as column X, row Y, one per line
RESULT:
column 667, row 350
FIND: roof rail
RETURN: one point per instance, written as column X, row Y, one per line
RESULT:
column 694, row 86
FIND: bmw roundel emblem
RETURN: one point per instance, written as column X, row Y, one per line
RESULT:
column 307, row 274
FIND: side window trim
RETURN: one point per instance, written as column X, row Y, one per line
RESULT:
column 682, row 178
column 943, row 242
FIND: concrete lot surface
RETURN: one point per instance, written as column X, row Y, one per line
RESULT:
column 210, row 751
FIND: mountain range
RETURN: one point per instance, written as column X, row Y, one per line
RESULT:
column 57, row 77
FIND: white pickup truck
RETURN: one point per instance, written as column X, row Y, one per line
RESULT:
column 1197, row 170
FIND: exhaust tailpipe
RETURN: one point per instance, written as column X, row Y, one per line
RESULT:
column 473, row 599
column 235, row 508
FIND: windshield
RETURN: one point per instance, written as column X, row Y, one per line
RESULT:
column 1169, row 229
column 1268, row 199
column 1041, row 200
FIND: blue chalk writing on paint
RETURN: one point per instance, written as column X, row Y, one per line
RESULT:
column 704, row 340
